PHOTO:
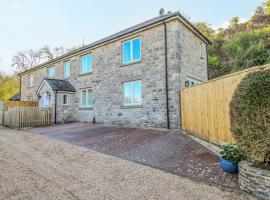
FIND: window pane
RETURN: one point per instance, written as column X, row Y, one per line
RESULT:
column 83, row 64
column 67, row 69
column 126, row 52
column 89, row 63
column 83, row 97
column 137, row 49
column 127, row 93
column 89, row 100
column 137, row 93
column 64, row 99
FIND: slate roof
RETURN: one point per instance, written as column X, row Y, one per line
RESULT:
column 60, row 85
column 128, row 31
column 16, row 97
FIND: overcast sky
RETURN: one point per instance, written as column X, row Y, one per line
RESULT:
column 31, row 24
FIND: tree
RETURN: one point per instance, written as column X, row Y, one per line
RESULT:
column 267, row 7
column 25, row 60
column 205, row 28
column 9, row 86
column 259, row 11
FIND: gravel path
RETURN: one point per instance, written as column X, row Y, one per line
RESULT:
column 34, row 167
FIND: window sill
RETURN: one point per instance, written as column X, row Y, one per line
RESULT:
column 84, row 74
column 86, row 108
column 131, row 63
column 131, row 106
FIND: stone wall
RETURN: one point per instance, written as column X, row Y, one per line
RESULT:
column 254, row 180
column 185, row 52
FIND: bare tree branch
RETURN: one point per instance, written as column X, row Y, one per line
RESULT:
column 25, row 60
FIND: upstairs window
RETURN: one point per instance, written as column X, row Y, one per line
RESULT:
column 51, row 72
column 67, row 69
column 131, row 50
column 132, row 93
column 30, row 80
column 86, row 64
column 86, row 98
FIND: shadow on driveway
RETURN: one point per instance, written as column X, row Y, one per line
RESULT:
column 175, row 153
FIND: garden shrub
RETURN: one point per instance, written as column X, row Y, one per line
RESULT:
column 250, row 117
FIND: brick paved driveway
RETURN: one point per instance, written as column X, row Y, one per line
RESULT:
column 171, row 152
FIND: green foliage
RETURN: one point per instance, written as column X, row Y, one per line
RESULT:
column 250, row 116
column 9, row 86
column 231, row 153
column 247, row 49
column 204, row 28
column 267, row 7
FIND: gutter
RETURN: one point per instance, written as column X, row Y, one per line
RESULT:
column 166, row 75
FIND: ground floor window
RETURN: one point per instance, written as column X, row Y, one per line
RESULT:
column 191, row 81
column 65, row 99
column 86, row 98
column 132, row 93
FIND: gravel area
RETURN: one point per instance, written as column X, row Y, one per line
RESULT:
column 35, row 167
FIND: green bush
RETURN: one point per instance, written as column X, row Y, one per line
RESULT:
column 250, row 117
column 231, row 153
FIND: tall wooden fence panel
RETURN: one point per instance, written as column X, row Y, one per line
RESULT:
column 205, row 107
column 19, row 117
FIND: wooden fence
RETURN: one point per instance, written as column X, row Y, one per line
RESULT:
column 19, row 114
column 205, row 107
column 19, row 117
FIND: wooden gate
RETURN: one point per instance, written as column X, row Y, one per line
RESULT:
column 205, row 108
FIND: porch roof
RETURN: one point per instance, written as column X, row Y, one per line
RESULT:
column 58, row 85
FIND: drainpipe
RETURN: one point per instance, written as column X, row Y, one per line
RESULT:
column 166, row 75
column 20, row 87
column 55, row 107
column 207, row 62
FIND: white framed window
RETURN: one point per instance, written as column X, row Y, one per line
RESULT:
column 86, row 99
column 30, row 80
column 51, row 72
column 132, row 93
column 191, row 81
column 86, row 63
column 65, row 99
column 131, row 50
column 67, row 69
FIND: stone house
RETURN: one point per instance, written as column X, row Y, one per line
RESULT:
column 131, row 78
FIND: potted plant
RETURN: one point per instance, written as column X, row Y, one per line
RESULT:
column 230, row 156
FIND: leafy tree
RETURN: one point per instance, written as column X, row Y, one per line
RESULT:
column 248, row 50
column 9, row 86
column 205, row 28
column 267, row 7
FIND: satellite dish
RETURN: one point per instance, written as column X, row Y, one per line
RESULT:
column 161, row 11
